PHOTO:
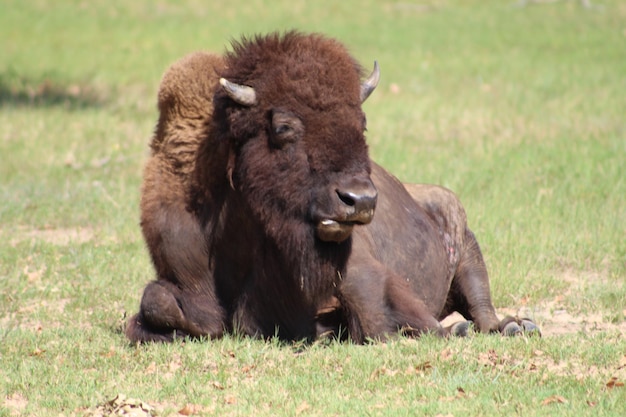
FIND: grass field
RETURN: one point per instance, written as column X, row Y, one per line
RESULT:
column 519, row 109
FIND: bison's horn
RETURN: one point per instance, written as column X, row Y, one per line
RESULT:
column 242, row 94
column 370, row 83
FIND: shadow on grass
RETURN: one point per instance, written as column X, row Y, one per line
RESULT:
column 47, row 91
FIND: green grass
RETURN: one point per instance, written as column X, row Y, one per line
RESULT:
column 520, row 110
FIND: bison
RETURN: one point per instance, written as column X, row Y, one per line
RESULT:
column 258, row 204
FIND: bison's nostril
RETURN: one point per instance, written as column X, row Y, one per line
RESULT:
column 347, row 198
column 359, row 201
column 356, row 200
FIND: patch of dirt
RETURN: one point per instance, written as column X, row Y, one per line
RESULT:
column 15, row 403
column 25, row 317
column 555, row 318
column 555, row 322
column 58, row 237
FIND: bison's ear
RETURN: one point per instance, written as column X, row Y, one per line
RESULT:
column 241, row 94
column 369, row 85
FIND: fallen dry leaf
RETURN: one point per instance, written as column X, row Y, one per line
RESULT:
column 186, row 410
column 247, row 368
column 554, row 399
column 424, row 366
column 382, row 371
column 191, row 409
column 37, row 352
column 614, row 382
column 196, row 409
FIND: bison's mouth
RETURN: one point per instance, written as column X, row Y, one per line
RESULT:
column 350, row 203
column 330, row 230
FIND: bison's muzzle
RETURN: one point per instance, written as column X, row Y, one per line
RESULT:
column 353, row 202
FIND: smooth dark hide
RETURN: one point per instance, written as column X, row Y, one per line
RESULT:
column 264, row 215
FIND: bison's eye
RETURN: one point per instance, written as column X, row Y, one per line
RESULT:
column 286, row 128
column 282, row 129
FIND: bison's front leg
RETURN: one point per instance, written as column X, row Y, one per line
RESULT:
column 167, row 312
column 379, row 302
column 182, row 301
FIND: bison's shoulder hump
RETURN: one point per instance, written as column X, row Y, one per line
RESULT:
column 186, row 104
column 188, row 85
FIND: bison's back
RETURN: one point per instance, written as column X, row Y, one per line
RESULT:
column 443, row 206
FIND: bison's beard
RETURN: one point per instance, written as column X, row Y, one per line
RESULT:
column 287, row 275
column 297, row 258
column 278, row 250
column 316, row 267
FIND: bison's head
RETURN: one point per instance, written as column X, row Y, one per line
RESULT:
column 291, row 109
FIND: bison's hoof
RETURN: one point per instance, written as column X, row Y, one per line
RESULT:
column 461, row 328
column 512, row 329
column 530, row 328
column 513, row 326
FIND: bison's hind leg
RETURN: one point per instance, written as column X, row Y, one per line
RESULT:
column 471, row 297
column 470, row 294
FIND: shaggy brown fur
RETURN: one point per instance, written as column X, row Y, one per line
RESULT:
column 253, row 213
